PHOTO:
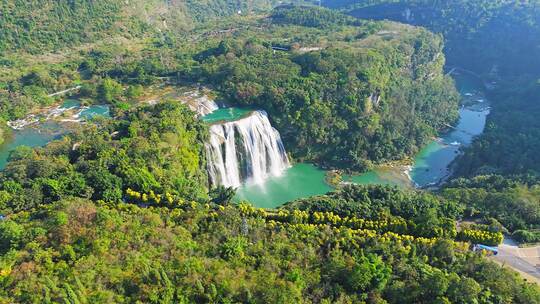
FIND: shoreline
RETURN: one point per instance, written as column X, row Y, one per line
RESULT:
column 58, row 113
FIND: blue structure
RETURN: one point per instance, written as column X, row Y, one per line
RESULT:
column 478, row 247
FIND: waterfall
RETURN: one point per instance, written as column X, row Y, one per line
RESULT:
column 199, row 102
column 248, row 149
column 205, row 105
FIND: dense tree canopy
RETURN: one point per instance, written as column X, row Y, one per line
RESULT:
column 158, row 149
column 78, row 251
column 347, row 104
column 119, row 210
column 45, row 25
column 498, row 40
column 346, row 94
column 512, row 203
column 482, row 35
column 311, row 16
column 511, row 140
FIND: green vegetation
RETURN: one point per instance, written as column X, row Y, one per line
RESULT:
column 55, row 25
column 476, row 32
column 348, row 99
column 311, row 17
column 47, row 46
column 342, row 96
column 385, row 209
column 507, row 204
column 157, row 149
column 372, row 201
column 119, row 210
column 511, row 141
column 76, row 250
column 477, row 35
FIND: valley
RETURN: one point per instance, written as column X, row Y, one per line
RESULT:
column 213, row 151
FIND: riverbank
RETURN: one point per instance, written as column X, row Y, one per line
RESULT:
column 45, row 125
column 69, row 110
column 430, row 167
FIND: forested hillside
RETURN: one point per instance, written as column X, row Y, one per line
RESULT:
column 100, row 228
column 42, row 42
column 346, row 94
column 77, row 251
column 119, row 209
column 502, row 165
column 44, row 25
column 56, row 24
column 101, row 162
column 354, row 97
column 512, row 137
column 509, row 202
column 498, row 41
column 483, row 35
column 119, row 212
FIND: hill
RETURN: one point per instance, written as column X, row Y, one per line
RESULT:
column 44, row 25
column 357, row 95
column 484, row 36
column 498, row 41
column 120, row 211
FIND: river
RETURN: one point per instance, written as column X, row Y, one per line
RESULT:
column 39, row 129
column 430, row 166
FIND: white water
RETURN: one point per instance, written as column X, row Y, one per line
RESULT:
column 31, row 119
column 205, row 106
column 200, row 103
column 81, row 113
column 248, row 149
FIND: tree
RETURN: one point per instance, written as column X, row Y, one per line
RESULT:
column 109, row 91
column 222, row 195
column 107, row 186
column 463, row 290
column 369, row 273
column 11, row 235
column 135, row 91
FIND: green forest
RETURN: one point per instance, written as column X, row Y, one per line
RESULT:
column 477, row 32
column 347, row 106
column 355, row 100
column 54, row 25
column 498, row 41
column 103, row 161
column 77, row 251
column 122, row 209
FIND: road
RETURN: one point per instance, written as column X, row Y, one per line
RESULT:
column 65, row 91
column 523, row 260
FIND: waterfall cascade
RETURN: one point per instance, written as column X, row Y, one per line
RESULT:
column 248, row 149
column 199, row 102
column 204, row 105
